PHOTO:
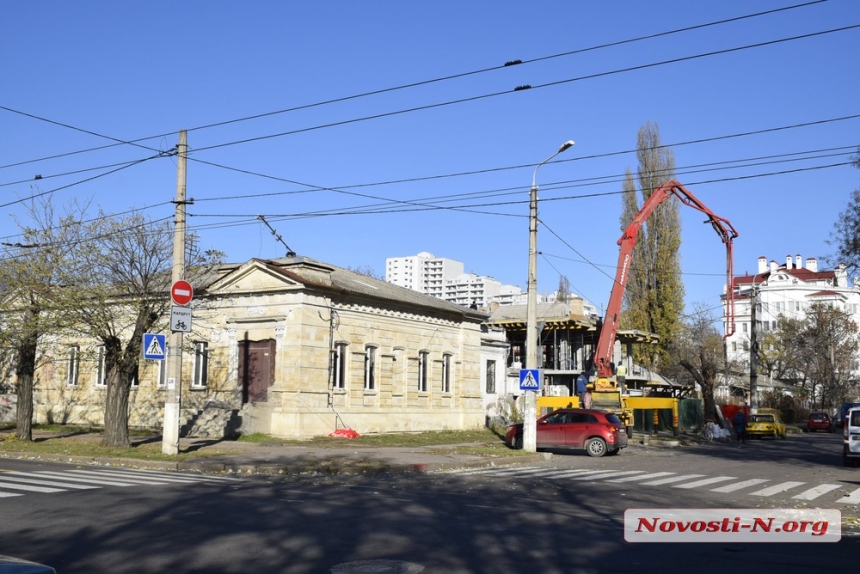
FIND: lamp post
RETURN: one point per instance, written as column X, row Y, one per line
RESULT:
column 529, row 415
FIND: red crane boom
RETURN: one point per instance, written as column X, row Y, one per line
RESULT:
column 606, row 342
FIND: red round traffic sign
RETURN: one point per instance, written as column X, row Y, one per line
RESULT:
column 182, row 292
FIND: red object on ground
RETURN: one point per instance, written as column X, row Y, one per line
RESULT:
column 344, row 433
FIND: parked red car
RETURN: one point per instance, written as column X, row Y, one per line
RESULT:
column 819, row 421
column 598, row 432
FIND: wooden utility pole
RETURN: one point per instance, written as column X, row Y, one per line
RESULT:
column 172, row 403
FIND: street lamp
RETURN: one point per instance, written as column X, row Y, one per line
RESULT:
column 529, row 417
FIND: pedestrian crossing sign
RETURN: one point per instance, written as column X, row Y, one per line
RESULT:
column 529, row 379
column 154, row 347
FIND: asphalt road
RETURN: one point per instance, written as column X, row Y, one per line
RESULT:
column 560, row 516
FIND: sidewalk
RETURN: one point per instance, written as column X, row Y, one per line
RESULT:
column 234, row 457
column 275, row 458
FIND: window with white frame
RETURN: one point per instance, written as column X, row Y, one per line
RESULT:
column 746, row 345
column 423, row 368
column 339, row 366
column 72, row 363
column 743, row 327
column 201, row 364
column 135, row 379
column 369, row 368
column 101, row 379
column 491, row 377
column 446, row 373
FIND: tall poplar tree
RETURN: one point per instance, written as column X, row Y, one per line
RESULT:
column 654, row 298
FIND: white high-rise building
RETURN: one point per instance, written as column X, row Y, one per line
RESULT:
column 424, row 272
column 445, row 279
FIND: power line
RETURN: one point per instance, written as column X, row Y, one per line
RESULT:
column 119, row 141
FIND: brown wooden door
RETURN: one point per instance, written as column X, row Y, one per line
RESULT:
column 256, row 369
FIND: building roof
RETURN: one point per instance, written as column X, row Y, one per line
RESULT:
column 315, row 274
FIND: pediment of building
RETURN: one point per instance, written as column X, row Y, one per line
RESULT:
column 254, row 277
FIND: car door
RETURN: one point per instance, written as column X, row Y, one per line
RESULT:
column 551, row 430
column 575, row 431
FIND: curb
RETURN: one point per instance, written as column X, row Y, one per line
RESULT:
column 320, row 466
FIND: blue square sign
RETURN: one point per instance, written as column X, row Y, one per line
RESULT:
column 154, row 347
column 529, row 379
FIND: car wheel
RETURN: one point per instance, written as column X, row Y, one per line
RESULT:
column 518, row 442
column 595, row 447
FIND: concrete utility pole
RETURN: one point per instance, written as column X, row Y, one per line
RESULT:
column 532, row 334
column 170, row 434
column 753, row 351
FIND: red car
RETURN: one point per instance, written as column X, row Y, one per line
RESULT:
column 819, row 421
column 598, row 432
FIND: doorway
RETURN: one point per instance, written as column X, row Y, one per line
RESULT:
column 256, row 369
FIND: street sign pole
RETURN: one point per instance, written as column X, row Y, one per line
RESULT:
column 170, row 431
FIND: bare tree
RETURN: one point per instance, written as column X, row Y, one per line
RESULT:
column 32, row 271
column 699, row 349
column 117, row 291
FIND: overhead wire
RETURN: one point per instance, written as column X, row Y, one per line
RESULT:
column 118, row 141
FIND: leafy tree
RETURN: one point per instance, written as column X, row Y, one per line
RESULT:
column 654, row 298
column 818, row 354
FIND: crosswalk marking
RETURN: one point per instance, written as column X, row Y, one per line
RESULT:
column 641, row 477
column 600, row 475
column 30, row 487
column 817, row 491
column 777, row 488
column 9, row 494
column 85, row 480
column 740, row 485
column 853, row 498
column 705, row 482
column 15, row 477
column 672, row 479
column 686, row 481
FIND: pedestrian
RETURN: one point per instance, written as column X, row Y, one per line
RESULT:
column 740, row 424
column 621, row 376
column 581, row 388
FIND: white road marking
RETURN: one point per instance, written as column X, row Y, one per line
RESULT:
column 673, row 479
column 641, row 477
column 853, row 498
column 776, row 488
column 9, row 494
column 599, row 475
column 18, row 477
column 740, row 485
column 64, row 476
column 705, row 482
column 817, row 491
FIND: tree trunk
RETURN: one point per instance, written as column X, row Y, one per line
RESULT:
column 24, row 371
column 24, row 411
column 116, row 404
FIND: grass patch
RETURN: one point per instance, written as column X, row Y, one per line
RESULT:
column 418, row 439
column 64, row 440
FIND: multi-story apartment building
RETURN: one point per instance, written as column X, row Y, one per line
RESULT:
column 784, row 290
column 445, row 279
column 424, row 272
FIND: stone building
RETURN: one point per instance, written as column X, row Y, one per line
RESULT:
column 295, row 348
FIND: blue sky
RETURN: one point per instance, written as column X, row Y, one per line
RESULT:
column 368, row 157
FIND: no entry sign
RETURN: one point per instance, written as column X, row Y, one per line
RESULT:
column 182, row 292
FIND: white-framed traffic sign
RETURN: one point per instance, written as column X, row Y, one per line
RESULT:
column 154, row 347
column 181, row 292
